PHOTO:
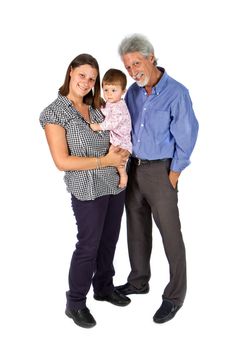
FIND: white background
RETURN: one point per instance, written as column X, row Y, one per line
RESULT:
column 193, row 41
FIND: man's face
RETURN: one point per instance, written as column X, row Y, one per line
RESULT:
column 140, row 68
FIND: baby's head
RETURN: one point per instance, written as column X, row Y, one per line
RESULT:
column 114, row 84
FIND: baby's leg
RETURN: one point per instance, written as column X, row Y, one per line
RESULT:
column 123, row 177
column 122, row 172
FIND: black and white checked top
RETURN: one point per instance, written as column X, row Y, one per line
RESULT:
column 83, row 142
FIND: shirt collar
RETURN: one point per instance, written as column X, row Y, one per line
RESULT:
column 64, row 100
column 162, row 82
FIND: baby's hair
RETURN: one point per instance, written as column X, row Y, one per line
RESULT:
column 115, row 76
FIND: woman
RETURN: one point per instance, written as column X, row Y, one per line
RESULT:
column 92, row 180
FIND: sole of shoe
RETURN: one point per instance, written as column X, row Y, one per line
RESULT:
column 111, row 302
column 133, row 292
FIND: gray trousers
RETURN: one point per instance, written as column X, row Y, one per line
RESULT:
column 150, row 194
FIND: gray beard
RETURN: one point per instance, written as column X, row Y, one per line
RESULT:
column 142, row 83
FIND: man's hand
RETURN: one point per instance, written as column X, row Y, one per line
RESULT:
column 173, row 177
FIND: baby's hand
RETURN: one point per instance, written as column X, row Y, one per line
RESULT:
column 95, row 127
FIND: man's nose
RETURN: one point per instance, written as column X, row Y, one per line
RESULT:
column 133, row 72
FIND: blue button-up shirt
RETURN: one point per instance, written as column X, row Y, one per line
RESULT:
column 163, row 123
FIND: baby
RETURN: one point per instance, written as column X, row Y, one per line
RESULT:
column 117, row 117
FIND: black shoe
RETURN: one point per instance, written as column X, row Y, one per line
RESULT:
column 129, row 289
column 166, row 312
column 115, row 298
column 82, row 318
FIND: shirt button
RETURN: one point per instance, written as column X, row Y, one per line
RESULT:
column 157, row 93
column 144, row 109
column 138, row 140
column 142, row 125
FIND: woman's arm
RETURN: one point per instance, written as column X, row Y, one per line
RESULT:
column 56, row 139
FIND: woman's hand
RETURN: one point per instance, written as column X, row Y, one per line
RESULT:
column 116, row 157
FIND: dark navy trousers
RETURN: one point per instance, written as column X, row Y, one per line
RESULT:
column 98, row 222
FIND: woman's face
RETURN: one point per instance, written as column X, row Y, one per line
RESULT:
column 82, row 80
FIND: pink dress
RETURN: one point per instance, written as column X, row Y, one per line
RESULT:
column 118, row 122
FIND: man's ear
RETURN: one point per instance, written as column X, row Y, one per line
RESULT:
column 151, row 58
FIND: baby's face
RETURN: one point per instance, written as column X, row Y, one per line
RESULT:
column 112, row 93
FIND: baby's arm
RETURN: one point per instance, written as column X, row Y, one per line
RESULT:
column 113, row 120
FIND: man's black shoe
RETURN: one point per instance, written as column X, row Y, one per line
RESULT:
column 166, row 312
column 129, row 289
column 82, row 318
column 115, row 298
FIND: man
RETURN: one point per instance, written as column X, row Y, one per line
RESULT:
column 164, row 132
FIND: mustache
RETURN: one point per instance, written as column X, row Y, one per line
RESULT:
column 138, row 75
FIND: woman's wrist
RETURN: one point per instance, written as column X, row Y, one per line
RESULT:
column 100, row 162
column 104, row 161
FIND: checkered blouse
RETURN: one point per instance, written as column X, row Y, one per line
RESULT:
column 83, row 142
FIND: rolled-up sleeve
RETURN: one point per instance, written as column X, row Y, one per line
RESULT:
column 184, row 128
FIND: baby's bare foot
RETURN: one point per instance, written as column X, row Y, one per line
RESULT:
column 123, row 181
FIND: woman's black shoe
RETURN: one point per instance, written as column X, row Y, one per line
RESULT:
column 82, row 318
